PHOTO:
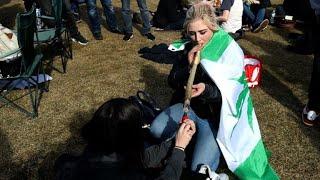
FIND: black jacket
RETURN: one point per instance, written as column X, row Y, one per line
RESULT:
column 168, row 11
column 208, row 104
column 97, row 166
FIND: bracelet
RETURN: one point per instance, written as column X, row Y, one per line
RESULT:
column 179, row 147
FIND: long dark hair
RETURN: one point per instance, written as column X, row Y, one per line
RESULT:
column 115, row 127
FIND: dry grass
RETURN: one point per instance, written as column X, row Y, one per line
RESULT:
column 112, row 68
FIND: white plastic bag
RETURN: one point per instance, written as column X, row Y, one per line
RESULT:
column 8, row 42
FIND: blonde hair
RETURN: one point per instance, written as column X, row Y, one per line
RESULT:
column 204, row 11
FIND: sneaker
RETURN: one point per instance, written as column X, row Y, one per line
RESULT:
column 79, row 39
column 97, row 36
column 262, row 26
column 205, row 169
column 310, row 117
column 223, row 176
column 150, row 36
column 128, row 36
column 158, row 29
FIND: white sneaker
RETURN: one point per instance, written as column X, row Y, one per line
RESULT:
column 223, row 176
column 310, row 117
column 205, row 169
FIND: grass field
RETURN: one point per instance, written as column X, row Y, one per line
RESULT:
column 112, row 68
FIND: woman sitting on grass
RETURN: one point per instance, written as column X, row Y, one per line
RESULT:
column 200, row 25
column 223, row 109
column 116, row 147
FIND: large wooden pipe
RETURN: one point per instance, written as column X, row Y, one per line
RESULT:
column 188, row 93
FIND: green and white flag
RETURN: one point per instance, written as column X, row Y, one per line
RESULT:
column 239, row 135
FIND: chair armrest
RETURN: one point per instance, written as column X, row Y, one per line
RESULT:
column 46, row 17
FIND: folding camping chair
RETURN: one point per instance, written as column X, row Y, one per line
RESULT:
column 27, row 70
column 57, row 38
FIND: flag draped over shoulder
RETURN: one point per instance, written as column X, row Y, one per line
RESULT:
column 239, row 135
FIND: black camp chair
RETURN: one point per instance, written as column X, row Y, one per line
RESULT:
column 27, row 69
column 58, row 38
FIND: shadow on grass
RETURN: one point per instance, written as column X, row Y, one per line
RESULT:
column 289, row 67
column 73, row 145
column 41, row 164
column 8, row 168
column 156, row 85
column 280, row 68
column 276, row 89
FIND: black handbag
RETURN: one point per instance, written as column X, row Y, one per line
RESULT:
column 147, row 105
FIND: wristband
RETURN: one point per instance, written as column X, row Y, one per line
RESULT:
column 179, row 147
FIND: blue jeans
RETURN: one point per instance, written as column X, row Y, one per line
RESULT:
column 206, row 150
column 126, row 14
column 74, row 7
column 253, row 14
column 94, row 17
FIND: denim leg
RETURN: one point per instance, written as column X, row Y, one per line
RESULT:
column 68, row 16
column 74, row 7
column 93, row 16
column 259, row 16
column 109, row 13
column 145, row 15
column 166, row 123
column 206, row 150
column 248, row 14
column 126, row 15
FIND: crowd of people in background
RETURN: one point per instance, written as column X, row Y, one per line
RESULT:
column 169, row 15
column 234, row 16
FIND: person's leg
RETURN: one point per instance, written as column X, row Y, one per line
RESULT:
column 71, row 24
column 68, row 16
column 74, row 6
column 126, row 14
column 145, row 15
column 260, row 23
column 206, row 150
column 93, row 16
column 311, row 113
column 314, row 87
column 28, row 4
column 248, row 14
column 259, row 16
column 166, row 123
column 109, row 14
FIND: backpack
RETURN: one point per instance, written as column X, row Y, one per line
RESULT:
column 253, row 69
column 147, row 105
